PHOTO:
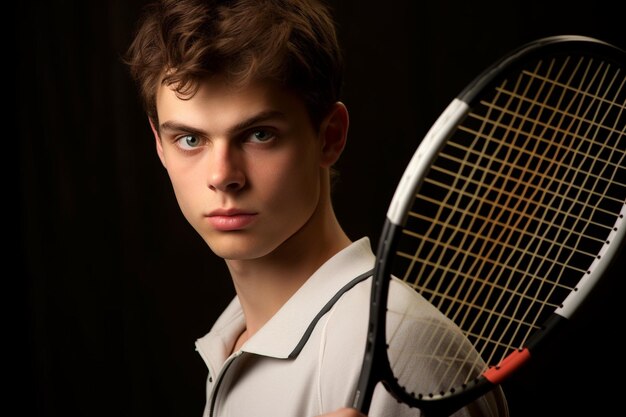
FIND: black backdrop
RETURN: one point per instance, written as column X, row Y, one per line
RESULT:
column 109, row 286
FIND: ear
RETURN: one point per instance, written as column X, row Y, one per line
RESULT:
column 334, row 133
column 157, row 139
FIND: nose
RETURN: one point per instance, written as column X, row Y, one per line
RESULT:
column 226, row 172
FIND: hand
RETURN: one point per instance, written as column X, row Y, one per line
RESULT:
column 344, row 412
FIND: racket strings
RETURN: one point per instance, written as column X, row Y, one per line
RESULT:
column 491, row 321
column 480, row 250
column 518, row 203
column 498, row 222
column 540, row 158
column 439, row 354
column 542, row 261
column 458, row 204
column 481, row 368
column 567, row 188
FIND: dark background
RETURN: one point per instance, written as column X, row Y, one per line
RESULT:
column 108, row 286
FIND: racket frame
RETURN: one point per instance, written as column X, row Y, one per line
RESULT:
column 376, row 366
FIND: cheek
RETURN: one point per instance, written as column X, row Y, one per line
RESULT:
column 296, row 184
column 185, row 185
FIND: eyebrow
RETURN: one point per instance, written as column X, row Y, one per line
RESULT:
column 263, row 116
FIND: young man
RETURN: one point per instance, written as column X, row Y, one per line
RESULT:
column 243, row 100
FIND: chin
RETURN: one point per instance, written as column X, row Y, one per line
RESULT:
column 238, row 249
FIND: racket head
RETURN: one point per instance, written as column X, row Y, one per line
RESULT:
column 510, row 210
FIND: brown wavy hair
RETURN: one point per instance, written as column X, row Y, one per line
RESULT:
column 294, row 42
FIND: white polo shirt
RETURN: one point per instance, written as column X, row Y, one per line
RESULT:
column 306, row 360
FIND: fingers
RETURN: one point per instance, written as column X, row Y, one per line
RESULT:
column 344, row 412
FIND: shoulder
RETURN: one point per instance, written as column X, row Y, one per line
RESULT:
column 406, row 302
column 353, row 307
column 413, row 319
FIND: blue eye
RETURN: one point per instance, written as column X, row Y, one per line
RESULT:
column 188, row 142
column 261, row 136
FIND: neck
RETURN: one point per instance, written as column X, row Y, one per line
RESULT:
column 263, row 285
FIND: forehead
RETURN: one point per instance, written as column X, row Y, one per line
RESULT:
column 217, row 102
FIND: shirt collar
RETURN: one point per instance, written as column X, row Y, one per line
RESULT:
column 281, row 335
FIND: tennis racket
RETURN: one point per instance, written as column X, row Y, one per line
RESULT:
column 509, row 212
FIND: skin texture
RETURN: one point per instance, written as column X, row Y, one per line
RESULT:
column 343, row 412
column 251, row 175
column 250, row 171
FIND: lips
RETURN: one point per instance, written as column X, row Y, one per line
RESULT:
column 230, row 220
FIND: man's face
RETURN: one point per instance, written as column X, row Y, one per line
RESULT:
column 244, row 164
